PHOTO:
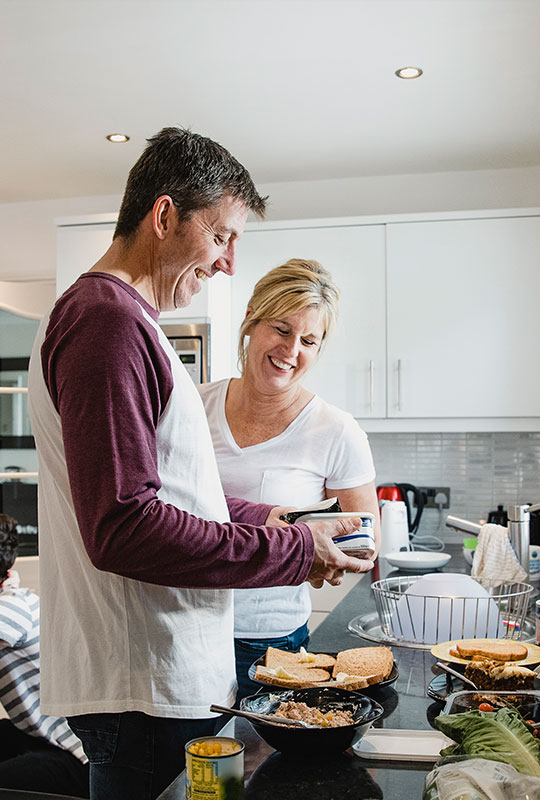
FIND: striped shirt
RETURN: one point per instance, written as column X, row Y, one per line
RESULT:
column 19, row 670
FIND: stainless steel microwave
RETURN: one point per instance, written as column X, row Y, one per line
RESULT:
column 191, row 342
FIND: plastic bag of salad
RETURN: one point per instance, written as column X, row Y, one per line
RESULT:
column 479, row 779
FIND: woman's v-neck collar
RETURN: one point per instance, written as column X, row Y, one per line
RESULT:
column 231, row 441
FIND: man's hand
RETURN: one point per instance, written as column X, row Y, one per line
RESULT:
column 273, row 518
column 329, row 562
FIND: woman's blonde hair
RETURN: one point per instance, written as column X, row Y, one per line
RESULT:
column 291, row 287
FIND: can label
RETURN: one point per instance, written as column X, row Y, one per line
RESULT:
column 537, row 621
column 361, row 539
column 217, row 775
column 355, row 541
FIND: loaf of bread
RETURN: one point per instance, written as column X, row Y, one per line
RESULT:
column 480, row 650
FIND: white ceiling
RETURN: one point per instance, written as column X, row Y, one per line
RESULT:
column 296, row 89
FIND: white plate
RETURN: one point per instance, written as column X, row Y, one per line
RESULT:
column 417, row 560
column 401, row 745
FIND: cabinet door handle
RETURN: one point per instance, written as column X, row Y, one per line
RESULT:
column 371, row 383
column 399, row 384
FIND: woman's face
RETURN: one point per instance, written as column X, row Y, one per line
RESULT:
column 280, row 351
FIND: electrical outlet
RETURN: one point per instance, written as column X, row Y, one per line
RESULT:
column 433, row 494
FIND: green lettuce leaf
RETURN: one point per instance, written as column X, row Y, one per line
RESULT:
column 497, row 736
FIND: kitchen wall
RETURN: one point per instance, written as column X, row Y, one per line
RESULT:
column 482, row 470
column 28, row 235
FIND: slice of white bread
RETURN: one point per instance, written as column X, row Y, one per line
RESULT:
column 285, row 658
column 504, row 650
column 373, row 663
column 297, row 677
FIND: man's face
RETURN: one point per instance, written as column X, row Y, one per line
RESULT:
column 196, row 249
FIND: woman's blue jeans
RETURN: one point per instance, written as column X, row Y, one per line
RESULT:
column 247, row 651
column 134, row 756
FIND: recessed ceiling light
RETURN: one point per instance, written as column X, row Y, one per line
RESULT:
column 117, row 137
column 409, row 72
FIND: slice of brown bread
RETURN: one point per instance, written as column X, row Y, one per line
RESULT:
column 375, row 662
column 505, row 650
column 302, row 677
column 286, row 659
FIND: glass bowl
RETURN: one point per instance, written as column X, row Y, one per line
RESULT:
column 527, row 701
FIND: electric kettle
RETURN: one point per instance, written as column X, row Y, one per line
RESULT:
column 394, row 527
column 400, row 492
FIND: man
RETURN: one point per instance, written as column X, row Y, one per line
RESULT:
column 137, row 548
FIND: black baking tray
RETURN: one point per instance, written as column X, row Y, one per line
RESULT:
column 444, row 685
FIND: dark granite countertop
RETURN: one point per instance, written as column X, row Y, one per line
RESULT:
column 270, row 775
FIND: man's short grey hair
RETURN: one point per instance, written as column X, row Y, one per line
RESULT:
column 193, row 170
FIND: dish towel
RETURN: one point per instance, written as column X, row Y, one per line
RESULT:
column 494, row 559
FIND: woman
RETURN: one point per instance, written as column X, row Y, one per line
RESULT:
column 278, row 443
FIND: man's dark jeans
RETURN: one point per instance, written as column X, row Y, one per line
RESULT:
column 134, row 756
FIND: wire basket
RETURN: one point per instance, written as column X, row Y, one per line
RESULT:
column 429, row 619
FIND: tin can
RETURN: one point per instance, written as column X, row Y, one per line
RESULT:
column 214, row 768
column 537, row 622
column 362, row 540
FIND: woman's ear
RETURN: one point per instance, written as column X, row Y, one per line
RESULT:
column 247, row 315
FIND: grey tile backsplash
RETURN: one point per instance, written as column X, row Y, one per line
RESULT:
column 483, row 470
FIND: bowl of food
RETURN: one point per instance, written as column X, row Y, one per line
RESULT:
column 526, row 701
column 339, row 717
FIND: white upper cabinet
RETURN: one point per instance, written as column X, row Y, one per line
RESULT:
column 438, row 327
column 351, row 370
column 463, row 321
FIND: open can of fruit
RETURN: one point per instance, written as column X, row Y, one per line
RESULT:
column 214, row 768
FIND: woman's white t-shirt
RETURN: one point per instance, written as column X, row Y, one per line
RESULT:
column 324, row 447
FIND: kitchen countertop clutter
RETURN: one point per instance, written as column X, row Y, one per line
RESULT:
column 408, row 715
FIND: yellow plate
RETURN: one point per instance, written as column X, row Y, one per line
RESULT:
column 442, row 651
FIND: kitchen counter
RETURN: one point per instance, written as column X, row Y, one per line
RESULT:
column 270, row 774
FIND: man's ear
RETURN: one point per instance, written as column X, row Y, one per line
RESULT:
column 163, row 214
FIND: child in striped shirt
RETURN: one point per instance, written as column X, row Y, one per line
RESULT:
column 37, row 752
